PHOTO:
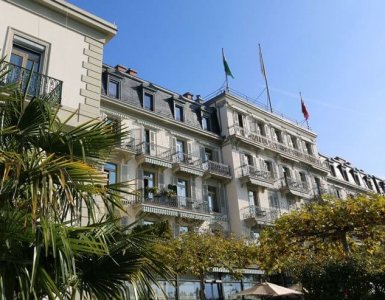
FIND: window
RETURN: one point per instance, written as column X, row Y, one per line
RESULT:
column 147, row 141
column 273, row 199
column 208, row 154
column 302, row 175
column 318, row 185
column 206, row 123
column 179, row 113
column 286, row 172
column 309, row 149
column 110, row 169
column 114, row 89
column 149, row 184
column 180, row 154
column 148, row 101
column 213, row 200
column 261, row 129
column 253, row 198
column 355, row 177
column 26, row 55
column 343, row 172
column 240, row 120
column 248, row 159
column 268, row 167
column 183, row 229
column 182, row 192
column 333, row 170
column 277, row 135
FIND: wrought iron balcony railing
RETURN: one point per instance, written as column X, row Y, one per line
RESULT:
column 34, row 83
column 274, row 145
column 298, row 186
column 175, row 202
column 252, row 171
column 261, row 214
column 153, row 150
column 187, row 159
column 216, row 167
column 128, row 144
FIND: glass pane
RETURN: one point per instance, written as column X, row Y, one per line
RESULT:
column 167, row 291
column 113, row 89
column 148, row 102
column 110, row 169
column 230, row 288
column 16, row 60
column 188, row 290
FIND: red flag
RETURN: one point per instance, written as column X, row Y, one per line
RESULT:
column 304, row 110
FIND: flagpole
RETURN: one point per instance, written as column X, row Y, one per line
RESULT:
column 265, row 76
column 226, row 79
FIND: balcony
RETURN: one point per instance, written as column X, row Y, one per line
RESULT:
column 257, row 178
column 38, row 85
column 253, row 215
column 216, row 170
column 176, row 206
column 128, row 147
column 263, row 142
column 296, row 188
column 152, row 154
column 187, row 163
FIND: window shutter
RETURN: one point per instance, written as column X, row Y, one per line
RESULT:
column 245, row 125
column 222, row 199
column 139, row 184
column 254, row 161
column 297, row 176
column 215, row 155
column 252, row 125
column 173, row 144
column 123, row 173
column 243, row 159
column 161, row 180
column 304, row 147
column 189, row 148
column 152, row 142
column 235, row 116
column 202, row 153
column 290, row 141
column 284, row 138
column 261, row 164
column 267, row 130
column 274, row 169
column 280, row 171
column 205, row 193
column 193, row 189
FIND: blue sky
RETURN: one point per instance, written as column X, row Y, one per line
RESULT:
column 332, row 51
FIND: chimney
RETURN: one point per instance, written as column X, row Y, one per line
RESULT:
column 121, row 68
column 188, row 95
column 199, row 99
column 132, row 72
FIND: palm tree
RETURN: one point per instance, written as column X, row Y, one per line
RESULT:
column 50, row 173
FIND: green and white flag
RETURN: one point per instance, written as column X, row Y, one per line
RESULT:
column 226, row 65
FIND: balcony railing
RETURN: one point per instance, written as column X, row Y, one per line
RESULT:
column 265, row 142
column 38, row 85
column 252, row 171
column 260, row 214
column 216, row 167
column 128, row 144
column 174, row 202
column 298, row 186
column 187, row 159
column 153, row 150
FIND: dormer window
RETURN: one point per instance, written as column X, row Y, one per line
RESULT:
column 206, row 123
column 148, row 101
column 114, row 88
column 178, row 113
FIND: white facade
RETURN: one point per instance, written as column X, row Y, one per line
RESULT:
column 66, row 45
column 267, row 164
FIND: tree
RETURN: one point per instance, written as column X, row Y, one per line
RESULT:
column 198, row 254
column 50, row 173
column 329, row 237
